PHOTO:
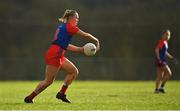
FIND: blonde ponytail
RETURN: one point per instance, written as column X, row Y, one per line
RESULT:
column 66, row 15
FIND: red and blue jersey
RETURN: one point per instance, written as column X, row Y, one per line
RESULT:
column 64, row 34
column 163, row 47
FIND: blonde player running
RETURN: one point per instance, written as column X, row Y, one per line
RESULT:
column 55, row 58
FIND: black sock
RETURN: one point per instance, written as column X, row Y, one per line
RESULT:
column 162, row 85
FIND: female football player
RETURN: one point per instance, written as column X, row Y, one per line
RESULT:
column 55, row 58
column 163, row 70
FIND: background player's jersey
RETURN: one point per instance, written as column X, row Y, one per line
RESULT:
column 163, row 47
column 64, row 35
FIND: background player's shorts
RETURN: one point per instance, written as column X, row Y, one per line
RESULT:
column 55, row 56
column 159, row 63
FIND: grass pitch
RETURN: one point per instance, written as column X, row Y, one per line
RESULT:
column 92, row 95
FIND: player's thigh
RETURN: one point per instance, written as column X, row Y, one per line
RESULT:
column 167, row 70
column 51, row 72
column 68, row 66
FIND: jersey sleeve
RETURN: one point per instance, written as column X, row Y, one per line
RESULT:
column 160, row 44
column 72, row 29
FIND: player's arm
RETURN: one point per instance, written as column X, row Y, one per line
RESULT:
column 169, row 55
column 90, row 37
column 75, row 48
column 157, row 53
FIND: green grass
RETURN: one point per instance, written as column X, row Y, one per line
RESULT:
column 92, row 95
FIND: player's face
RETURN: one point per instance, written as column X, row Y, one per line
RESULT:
column 74, row 19
column 168, row 35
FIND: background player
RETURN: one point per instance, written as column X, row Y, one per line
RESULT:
column 163, row 70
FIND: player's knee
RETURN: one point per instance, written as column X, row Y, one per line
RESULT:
column 76, row 72
column 168, row 71
column 170, row 74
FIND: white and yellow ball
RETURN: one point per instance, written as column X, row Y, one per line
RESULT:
column 89, row 49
